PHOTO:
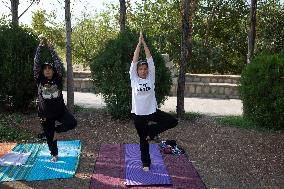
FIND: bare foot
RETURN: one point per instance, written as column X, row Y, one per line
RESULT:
column 54, row 159
column 145, row 168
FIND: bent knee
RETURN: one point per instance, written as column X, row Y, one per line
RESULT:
column 73, row 124
column 174, row 122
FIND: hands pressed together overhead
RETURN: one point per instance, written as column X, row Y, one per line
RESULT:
column 44, row 41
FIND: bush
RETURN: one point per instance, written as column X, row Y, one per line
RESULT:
column 17, row 52
column 262, row 91
column 110, row 72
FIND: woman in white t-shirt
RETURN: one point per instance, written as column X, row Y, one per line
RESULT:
column 144, row 104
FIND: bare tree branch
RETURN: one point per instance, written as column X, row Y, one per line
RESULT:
column 27, row 8
column 6, row 5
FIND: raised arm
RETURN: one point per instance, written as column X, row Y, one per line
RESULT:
column 146, row 49
column 37, row 66
column 150, row 61
column 137, row 50
column 133, row 67
column 56, row 59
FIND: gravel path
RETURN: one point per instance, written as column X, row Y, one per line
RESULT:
column 201, row 105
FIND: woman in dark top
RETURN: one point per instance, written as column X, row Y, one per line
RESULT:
column 51, row 107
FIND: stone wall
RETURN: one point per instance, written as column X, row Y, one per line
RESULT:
column 82, row 82
column 210, row 86
column 197, row 85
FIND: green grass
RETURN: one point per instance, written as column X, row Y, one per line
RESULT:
column 8, row 128
column 78, row 109
column 239, row 122
column 192, row 115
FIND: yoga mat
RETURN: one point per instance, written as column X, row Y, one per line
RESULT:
column 182, row 172
column 134, row 174
column 108, row 172
column 20, row 172
column 65, row 167
column 6, row 147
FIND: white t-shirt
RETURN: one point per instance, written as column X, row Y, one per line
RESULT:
column 143, row 90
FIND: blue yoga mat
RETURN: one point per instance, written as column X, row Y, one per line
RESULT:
column 65, row 167
column 20, row 172
column 134, row 174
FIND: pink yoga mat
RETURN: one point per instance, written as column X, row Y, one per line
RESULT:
column 109, row 171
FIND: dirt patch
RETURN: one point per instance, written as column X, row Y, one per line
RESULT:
column 225, row 157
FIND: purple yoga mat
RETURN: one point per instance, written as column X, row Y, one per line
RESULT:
column 109, row 171
column 134, row 174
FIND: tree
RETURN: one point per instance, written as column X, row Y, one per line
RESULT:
column 160, row 20
column 122, row 17
column 17, row 89
column 252, row 32
column 15, row 12
column 185, row 54
column 270, row 38
column 70, row 81
column 44, row 23
column 90, row 34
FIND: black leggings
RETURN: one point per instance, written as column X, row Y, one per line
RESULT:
column 164, row 121
column 67, row 121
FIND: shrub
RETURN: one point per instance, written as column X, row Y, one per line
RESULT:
column 17, row 52
column 110, row 72
column 262, row 91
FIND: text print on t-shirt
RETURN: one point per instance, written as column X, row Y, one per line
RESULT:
column 143, row 87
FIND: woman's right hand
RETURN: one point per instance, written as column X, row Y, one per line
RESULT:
column 141, row 38
column 43, row 42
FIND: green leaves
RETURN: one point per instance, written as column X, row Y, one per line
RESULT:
column 262, row 91
column 90, row 35
column 17, row 51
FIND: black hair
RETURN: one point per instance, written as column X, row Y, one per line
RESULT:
column 47, row 64
column 142, row 62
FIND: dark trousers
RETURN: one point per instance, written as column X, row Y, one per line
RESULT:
column 67, row 122
column 164, row 121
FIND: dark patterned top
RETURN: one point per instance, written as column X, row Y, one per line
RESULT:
column 51, row 103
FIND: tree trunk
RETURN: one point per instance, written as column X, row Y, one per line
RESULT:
column 70, row 82
column 252, row 30
column 122, row 18
column 14, row 11
column 185, row 54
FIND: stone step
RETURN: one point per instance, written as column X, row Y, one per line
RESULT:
column 81, row 85
column 82, row 74
column 209, row 90
column 211, row 78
